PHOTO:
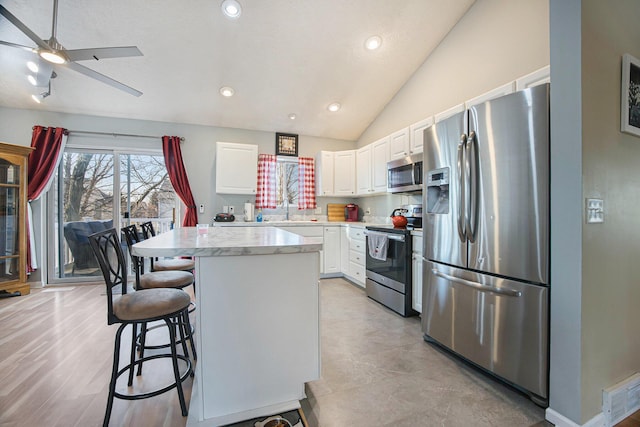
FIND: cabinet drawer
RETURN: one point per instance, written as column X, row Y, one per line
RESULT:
column 357, row 257
column 356, row 233
column 357, row 245
column 356, row 271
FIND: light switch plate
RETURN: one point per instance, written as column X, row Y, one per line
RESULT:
column 594, row 211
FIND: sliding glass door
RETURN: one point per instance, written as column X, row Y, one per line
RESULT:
column 99, row 189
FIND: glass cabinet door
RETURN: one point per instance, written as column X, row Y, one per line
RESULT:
column 9, row 220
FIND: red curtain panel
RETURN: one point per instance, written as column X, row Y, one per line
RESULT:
column 266, row 192
column 306, row 183
column 47, row 144
column 178, row 177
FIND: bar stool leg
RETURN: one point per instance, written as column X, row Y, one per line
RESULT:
column 176, row 371
column 143, row 339
column 189, row 331
column 114, row 376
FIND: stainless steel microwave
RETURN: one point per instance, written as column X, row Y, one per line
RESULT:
column 405, row 175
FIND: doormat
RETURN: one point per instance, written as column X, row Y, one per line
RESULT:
column 295, row 417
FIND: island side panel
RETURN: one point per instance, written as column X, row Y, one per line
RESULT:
column 258, row 329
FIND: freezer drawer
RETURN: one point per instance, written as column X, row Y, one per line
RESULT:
column 499, row 324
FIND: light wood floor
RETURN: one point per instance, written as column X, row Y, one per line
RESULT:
column 55, row 364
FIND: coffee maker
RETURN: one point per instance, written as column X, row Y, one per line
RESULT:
column 351, row 212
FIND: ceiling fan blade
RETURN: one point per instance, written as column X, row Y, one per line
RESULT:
column 30, row 49
column 102, row 53
column 27, row 32
column 101, row 77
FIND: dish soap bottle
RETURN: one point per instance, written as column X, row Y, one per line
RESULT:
column 259, row 217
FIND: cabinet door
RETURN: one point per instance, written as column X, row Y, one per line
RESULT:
column 379, row 159
column 416, row 136
column 399, row 144
column 236, row 168
column 416, row 262
column 345, row 173
column 331, row 247
column 344, row 249
column 325, row 179
column 363, row 170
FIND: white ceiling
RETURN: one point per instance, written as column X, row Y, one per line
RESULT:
column 281, row 57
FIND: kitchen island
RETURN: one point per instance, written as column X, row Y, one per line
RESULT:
column 256, row 321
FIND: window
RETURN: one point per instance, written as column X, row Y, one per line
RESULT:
column 287, row 182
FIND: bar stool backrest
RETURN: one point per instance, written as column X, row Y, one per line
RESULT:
column 147, row 229
column 132, row 236
column 108, row 252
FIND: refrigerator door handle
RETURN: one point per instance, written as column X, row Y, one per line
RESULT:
column 476, row 285
column 471, row 176
column 461, row 190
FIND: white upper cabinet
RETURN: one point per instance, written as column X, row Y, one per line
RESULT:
column 538, row 77
column 324, row 173
column 399, row 144
column 236, row 168
column 344, row 173
column 492, row 94
column 416, row 134
column 379, row 159
column 363, row 170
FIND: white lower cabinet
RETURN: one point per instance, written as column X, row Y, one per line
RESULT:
column 357, row 255
column 309, row 231
column 416, row 261
column 331, row 249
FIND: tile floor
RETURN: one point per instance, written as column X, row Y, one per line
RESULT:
column 378, row 371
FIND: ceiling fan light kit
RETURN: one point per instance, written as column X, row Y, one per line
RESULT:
column 53, row 52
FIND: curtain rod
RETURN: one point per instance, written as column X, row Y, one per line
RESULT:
column 115, row 134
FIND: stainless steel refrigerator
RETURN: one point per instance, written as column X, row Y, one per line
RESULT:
column 486, row 237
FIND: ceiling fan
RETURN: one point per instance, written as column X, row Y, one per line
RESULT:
column 52, row 51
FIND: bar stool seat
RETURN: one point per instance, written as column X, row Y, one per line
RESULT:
column 142, row 306
column 166, row 279
column 180, row 264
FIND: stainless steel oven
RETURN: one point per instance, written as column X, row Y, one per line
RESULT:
column 388, row 268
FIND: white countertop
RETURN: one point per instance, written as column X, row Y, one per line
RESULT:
column 226, row 241
column 294, row 223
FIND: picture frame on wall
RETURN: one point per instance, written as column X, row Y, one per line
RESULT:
column 630, row 95
column 286, row 144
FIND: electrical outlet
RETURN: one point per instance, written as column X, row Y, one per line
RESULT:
column 201, row 208
column 232, row 209
column 367, row 211
column 594, row 211
column 225, row 209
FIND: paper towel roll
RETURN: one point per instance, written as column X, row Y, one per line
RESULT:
column 248, row 212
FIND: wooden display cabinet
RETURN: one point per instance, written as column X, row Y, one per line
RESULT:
column 13, row 218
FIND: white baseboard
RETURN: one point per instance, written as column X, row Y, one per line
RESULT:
column 560, row 420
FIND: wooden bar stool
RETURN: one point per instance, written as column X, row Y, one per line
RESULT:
column 165, row 264
column 168, row 305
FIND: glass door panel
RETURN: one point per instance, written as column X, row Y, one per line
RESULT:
column 83, row 206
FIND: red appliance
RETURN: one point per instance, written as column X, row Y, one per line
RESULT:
column 351, row 212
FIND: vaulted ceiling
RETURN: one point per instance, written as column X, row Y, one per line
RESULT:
column 280, row 56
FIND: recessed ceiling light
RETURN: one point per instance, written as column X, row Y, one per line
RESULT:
column 373, row 42
column 231, row 9
column 32, row 66
column 333, row 107
column 292, row 116
column 227, row 91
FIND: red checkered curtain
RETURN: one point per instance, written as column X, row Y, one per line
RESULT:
column 266, row 194
column 306, row 183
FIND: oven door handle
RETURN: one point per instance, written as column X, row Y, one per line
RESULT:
column 476, row 285
column 389, row 236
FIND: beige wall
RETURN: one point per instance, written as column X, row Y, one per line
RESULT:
column 611, row 171
column 496, row 42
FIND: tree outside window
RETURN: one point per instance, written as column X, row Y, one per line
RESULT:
column 286, row 183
